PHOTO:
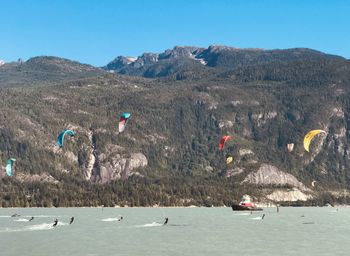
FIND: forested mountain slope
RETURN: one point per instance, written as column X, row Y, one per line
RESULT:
column 168, row 153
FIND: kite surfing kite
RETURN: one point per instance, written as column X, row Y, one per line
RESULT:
column 10, row 164
column 61, row 136
column 229, row 160
column 223, row 141
column 309, row 136
column 123, row 120
column 290, row 147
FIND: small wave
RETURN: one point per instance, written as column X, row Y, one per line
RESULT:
column 10, row 230
column 21, row 220
column 308, row 222
column 177, row 225
column 5, row 216
column 110, row 219
column 243, row 214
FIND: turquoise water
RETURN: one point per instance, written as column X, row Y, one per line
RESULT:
column 191, row 231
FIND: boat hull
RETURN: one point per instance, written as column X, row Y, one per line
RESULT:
column 237, row 207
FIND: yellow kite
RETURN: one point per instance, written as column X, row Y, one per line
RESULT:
column 309, row 136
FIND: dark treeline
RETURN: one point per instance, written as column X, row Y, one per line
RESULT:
column 175, row 191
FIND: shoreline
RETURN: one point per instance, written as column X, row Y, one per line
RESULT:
column 170, row 207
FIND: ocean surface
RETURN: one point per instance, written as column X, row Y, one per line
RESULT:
column 190, row 231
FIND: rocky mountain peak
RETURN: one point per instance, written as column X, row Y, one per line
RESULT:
column 120, row 62
column 181, row 52
column 185, row 59
column 146, row 59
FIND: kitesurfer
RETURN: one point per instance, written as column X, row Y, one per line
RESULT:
column 71, row 220
column 32, row 218
column 263, row 216
column 55, row 223
column 166, row 221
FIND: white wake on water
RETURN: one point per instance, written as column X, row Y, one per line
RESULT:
column 36, row 227
column 256, row 218
column 21, row 220
column 110, row 219
column 48, row 216
column 43, row 226
column 148, row 225
column 62, row 223
column 243, row 214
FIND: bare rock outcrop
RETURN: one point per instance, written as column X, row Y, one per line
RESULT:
column 234, row 172
column 71, row 156
column 89, row 167
column 271, row 175
column 225, row 124
column 288, row 196
column 113, row 163
column 243, row 152
column 119, row 166
column 262, row 118
column 44, row 177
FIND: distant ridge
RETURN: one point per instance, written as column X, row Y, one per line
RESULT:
column 182, row 59
column 44, row 70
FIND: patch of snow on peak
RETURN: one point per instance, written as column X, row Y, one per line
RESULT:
column 202, row 61
column 194, row 57
column 131, row 59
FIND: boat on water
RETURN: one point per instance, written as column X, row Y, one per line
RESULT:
column 245, row 205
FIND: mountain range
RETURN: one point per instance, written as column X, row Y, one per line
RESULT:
column 181, row 102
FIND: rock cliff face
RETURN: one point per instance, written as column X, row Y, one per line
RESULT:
column 271, row 175
column 111, row 164
column 91, row 160
column 115, row 166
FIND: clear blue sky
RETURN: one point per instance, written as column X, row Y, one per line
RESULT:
column 96, row 31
